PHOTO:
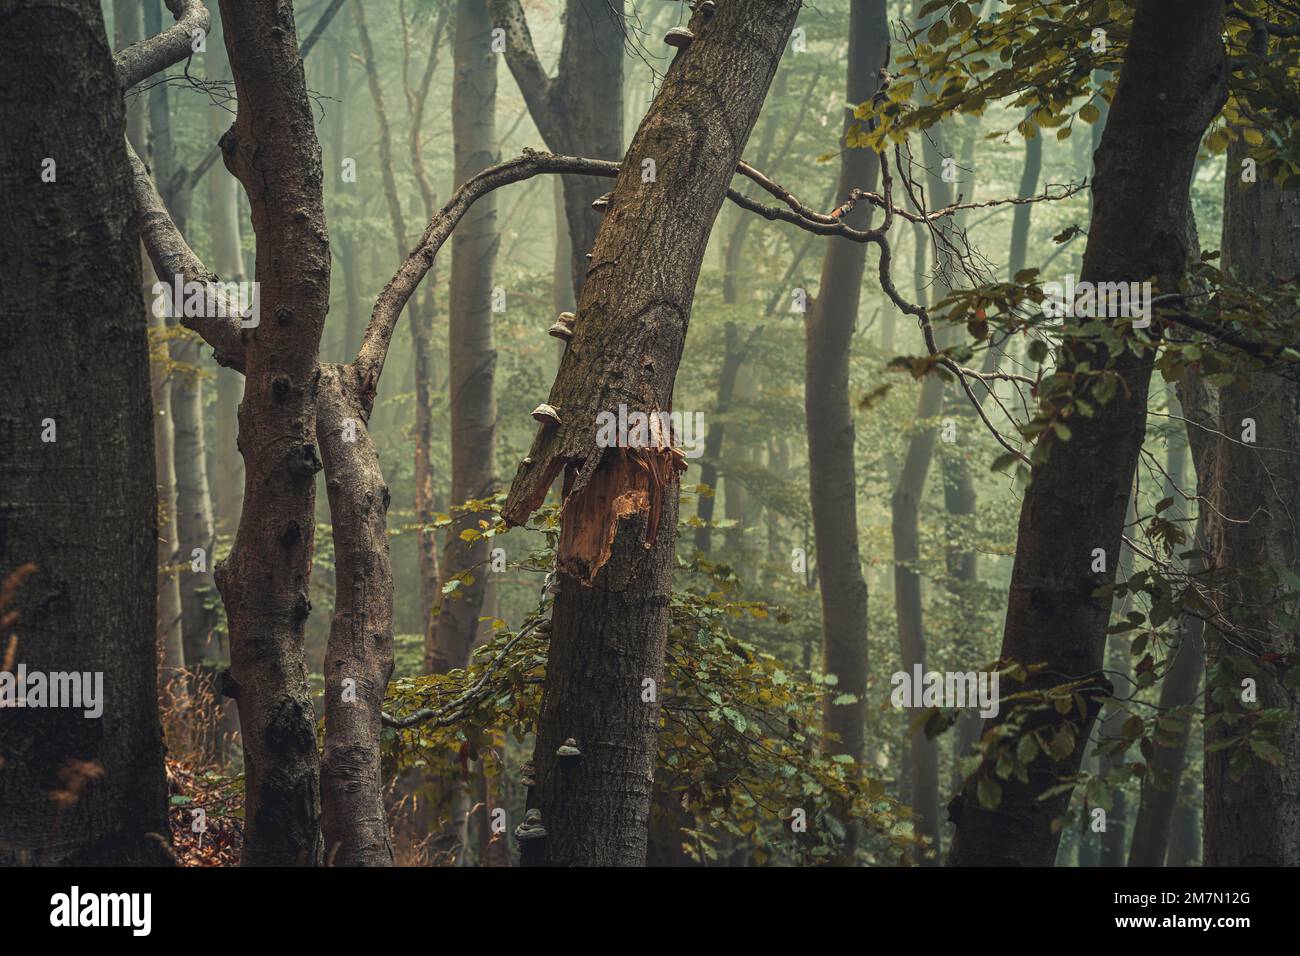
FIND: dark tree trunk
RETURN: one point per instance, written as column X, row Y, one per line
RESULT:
column 1153, row 825
column 83, row 507
column 273, row 151
column 832, row 465
column 610, row 621
column 1252, row 815
column 1172, row 85
column 471, row 349
column 579, row 111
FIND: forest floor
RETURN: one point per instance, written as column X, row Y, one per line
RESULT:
column 206, row 813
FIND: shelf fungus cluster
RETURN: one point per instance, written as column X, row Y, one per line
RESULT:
column 568, row 752
column 531, row 828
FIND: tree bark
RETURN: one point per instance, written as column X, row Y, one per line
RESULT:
column 579, row 111
column 1153, row 825
column 1172, row 85
column 832, row 466
column 359, row 657
column 76, row 791
column 273, row 151
column 471, row 349
column 610, row 620
column 1252, row 816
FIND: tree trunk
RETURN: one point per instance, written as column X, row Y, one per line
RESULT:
column 905, row 513
column 610, row 620
column 193, row 503
column 1172, row 85
column 905, row 509
column 471, row 368
column 579, row 112
column 273, row 151
column 1153, row 826
column 1252, row 817
column 471, row 349
column 170, row 612
column 832, row 466
column 359, row 659
column 224, row 216
column 82, row 505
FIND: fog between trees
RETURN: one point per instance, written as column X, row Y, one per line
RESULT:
column 631, row 433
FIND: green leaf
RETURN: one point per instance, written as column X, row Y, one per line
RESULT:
column 989, row 792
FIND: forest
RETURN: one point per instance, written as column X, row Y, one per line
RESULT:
column 640, row 433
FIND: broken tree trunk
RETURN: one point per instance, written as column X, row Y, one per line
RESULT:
column 610, row 621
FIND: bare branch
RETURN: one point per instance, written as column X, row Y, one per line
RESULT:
column 319, row 28
column 147, row 57
column 171, row 256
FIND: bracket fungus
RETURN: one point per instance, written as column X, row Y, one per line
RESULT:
column 568, row 751
column 601, row 203
column 679, row 37
column 563, row 327
column 531, row 828
column 546, row 414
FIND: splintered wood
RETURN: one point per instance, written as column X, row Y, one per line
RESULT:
column 627, row 482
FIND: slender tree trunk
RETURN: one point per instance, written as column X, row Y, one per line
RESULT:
column 273, row 151
column 78, row 500
column 1252, row 815
column 579, row 111
column 193, row 502
column 472, row 363
column 170, row 612
column 359, row 659
column 471, row 349
column 905, row 513
column 732, row 358
column 832, row 466
column 610, row 620
column 224, row 216
column 1172, row 85
column 1153, row 827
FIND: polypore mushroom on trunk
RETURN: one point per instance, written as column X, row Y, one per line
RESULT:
column 546, row 415
column 531, row 828
column 679, row 37
column 563, row 327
